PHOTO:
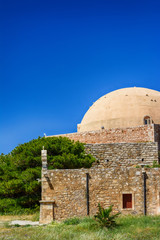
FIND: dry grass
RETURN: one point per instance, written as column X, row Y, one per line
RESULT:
column 6, row 218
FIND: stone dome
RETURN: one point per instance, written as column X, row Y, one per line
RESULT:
column 127, row 107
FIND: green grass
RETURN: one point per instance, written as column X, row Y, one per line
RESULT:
column 20, row 212
column 128, row 228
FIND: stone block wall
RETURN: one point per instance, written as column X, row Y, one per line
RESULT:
column 118, row 152
column 123, row 154
column 143, row 133
column 157, row 136
column 67, row 188
column 157, row 132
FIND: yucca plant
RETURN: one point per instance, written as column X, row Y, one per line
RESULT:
column 104, row 216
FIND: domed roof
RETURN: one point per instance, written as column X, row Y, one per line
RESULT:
column 127, row 107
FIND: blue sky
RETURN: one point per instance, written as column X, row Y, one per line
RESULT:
column 58, row 57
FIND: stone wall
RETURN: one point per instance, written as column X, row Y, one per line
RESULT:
column 143, row 133
column 113, row 174
column 157, row 136
column 67, row 189
column 123, row 154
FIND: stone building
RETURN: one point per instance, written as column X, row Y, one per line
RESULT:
column 122, row 131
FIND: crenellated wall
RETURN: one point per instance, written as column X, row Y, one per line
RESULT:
column 143, row 133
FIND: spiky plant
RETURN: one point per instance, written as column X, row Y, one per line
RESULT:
column 104, row 216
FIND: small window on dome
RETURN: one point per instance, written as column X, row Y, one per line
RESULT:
column 147, row 120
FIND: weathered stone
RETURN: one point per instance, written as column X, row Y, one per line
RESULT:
column 112, row 175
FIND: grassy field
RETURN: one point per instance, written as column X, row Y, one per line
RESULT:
column 128, row 227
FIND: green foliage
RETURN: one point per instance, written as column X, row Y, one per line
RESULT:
column 88, row 222
column 104, row 216
column 72, row 221
column 20, row 169
column 155, row 164
column 148, row 166
column 137, row 166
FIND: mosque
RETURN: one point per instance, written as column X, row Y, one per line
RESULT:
column 128, row 107
column 122, row 131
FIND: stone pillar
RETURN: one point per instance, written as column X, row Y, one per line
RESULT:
column 46, row 205
column 44, row 161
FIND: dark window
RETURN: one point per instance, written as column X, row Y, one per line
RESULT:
column 127, row 200
column 147, row 120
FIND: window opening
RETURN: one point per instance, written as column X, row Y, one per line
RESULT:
column 127, row 200
column 147, row 120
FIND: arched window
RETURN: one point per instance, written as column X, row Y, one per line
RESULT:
column 147, row 120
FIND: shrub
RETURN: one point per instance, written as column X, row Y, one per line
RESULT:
column 20, row 169
column 155, row 164
column 104, row 216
